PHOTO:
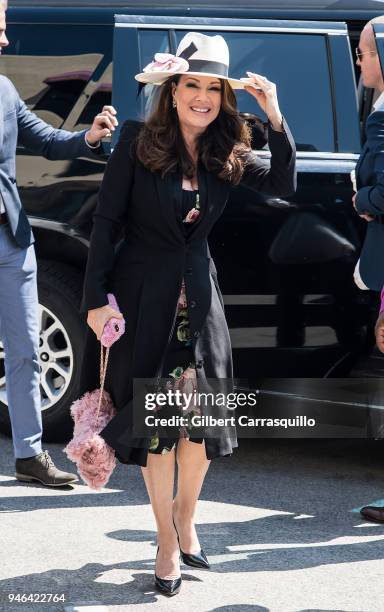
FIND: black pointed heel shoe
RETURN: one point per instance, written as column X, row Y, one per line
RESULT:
column 167, row 587
column 195, row 559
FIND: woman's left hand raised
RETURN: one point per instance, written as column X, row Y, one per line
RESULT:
column 266, row 97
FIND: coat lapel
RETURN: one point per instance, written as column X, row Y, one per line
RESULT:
column 203, row 199
column 213, row 194
column 358, row 165
column 169, row 195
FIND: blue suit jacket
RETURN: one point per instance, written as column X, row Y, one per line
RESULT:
column 370, row 200
column 19, row 125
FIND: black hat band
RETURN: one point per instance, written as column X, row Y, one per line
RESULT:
column 206, row 66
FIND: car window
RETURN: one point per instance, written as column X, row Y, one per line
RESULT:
column 298, row 65
column 100, row 95
column 56, row 67
column 150, row 42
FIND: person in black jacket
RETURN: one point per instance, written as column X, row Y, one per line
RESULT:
column 166, row 184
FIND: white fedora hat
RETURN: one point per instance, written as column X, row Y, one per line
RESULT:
column 197, row 54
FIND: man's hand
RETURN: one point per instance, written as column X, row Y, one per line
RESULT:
column 366, row 217
column 379, row 332
column 103, row 124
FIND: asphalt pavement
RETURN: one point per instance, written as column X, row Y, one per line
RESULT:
column 278, row 520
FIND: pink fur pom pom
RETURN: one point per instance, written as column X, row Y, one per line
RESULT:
column 94, row 458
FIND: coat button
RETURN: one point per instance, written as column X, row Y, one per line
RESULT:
column 192, row 303
column 196, row 334
column 199, row 364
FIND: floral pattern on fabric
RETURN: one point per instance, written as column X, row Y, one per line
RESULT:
column 182, row 376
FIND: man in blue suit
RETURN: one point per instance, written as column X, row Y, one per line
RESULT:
column 369, row 198
column 19, row 325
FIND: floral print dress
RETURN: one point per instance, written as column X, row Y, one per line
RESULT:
column 179, row 370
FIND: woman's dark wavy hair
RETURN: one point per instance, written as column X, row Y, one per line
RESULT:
column 161, row 148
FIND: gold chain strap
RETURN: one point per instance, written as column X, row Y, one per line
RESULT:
column 103, row 372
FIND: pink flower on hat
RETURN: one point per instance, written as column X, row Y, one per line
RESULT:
column 166, row 62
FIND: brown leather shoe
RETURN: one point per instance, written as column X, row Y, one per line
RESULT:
column 42, row 469
column 373, row 513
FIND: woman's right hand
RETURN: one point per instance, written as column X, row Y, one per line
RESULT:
column 265, row 93
column 98, row 317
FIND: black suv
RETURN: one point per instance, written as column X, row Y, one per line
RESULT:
column 285, row 266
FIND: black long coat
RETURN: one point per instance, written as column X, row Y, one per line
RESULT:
column 147, row 271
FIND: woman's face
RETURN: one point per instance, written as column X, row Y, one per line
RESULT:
column 198, row 100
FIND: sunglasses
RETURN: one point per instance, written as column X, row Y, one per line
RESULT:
column 359, row 54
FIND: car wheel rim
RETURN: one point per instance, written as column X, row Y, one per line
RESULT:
column 55, row 358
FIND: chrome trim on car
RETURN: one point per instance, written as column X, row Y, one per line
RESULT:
column 253, row 299
column 57, row 226
column 320, row 161
column 323, row 165
column 230, row 28
column 321, row 156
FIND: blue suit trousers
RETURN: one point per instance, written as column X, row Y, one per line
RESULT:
column 19, row 332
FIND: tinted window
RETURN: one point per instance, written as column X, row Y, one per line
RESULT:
column 150, row 42
column 298, row 65
column 99, row 99
column 58, row 95
column 100, row 94
column 53, row 68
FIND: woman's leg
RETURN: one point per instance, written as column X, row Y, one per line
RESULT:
column 192, row 466
column 159, row 475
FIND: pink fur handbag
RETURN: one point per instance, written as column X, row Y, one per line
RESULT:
column 94, row 458
column 114, row 328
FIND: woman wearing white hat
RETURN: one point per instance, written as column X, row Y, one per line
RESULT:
column 167, row 183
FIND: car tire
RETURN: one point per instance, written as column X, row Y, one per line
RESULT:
column 59, row 288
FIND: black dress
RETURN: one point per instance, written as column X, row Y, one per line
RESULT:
column 179, row 362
